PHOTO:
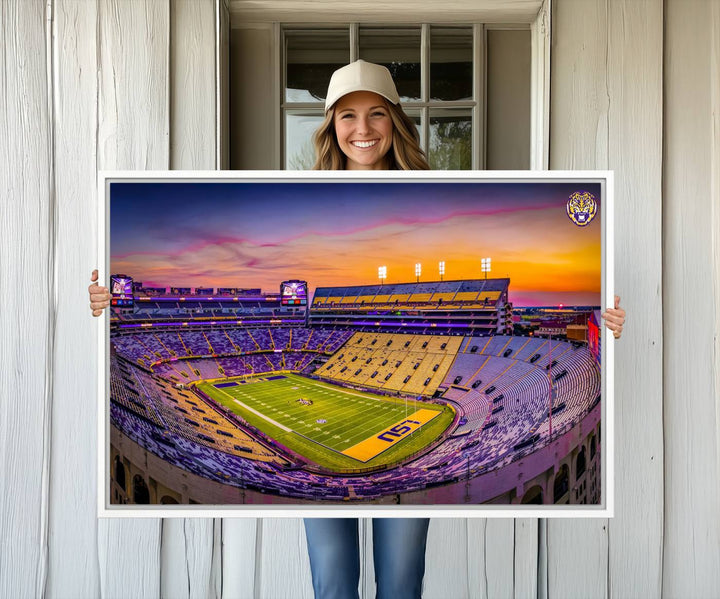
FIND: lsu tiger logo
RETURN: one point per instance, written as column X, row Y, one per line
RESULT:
column 581, row 208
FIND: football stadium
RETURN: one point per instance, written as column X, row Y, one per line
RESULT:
column 415, row 393
column 333, row 375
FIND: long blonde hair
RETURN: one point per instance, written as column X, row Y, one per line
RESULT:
column 405, row 153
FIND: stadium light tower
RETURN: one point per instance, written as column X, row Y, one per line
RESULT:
column 485, row 264
column 551, row 391
column 418, row 270
column 442, row 269
column 382, row 273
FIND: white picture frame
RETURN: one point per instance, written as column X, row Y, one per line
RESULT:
column 604, row 509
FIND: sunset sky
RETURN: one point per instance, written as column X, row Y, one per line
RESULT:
column 333, row 234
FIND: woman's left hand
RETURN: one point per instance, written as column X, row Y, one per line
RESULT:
column 615, row 318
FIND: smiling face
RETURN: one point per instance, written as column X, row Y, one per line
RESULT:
column 364, row 130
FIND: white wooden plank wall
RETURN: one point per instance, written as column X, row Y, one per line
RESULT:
column 446, row 558
column 190, row 567
column 634, row 86
column 606, row 112
column 27, row 316
column 133, row 130
column 116, row 84
column 490, row 562
column 528, row 551
column 73, row 558
column 691, row 273
column 193, row 85
column 577, row 550
column 282, row 567
column 240, row 557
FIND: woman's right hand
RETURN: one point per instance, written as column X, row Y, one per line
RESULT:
column 99, row 296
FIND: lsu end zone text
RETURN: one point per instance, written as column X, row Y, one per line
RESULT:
column 375, row 445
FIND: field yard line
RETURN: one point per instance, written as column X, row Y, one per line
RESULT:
column 237, row 401
column 270, row 420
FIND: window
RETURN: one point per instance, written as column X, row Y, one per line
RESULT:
column 561, row 484
column 580, row 464
column 440, row 72
column 119, row 473
column 507, row 74
column 141, row 494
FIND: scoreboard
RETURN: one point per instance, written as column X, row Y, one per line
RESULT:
column 293, row 293
column 121, row 289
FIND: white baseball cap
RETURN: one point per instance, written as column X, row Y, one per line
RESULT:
column 361, row 76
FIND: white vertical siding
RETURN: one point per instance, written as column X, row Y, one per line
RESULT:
column 193, row 85
column 282, row 566
column 635, row 90
column 606, row 100
column 186, row 566
column 526, row 545
column 72, row 551
column 446, row 561
column 189, row 567
column 577, row 550
column 27, row 316
column 491, row 546
column 133, row 131
column 239, row 558
column 692, row 399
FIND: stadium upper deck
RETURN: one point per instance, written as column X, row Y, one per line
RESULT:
column 437, row 295
column 480, row 306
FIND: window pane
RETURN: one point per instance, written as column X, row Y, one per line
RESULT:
column 299, row 149
column 311, row 58
column 414, row 115
column 451, row 54
column 450, row 139
column 398, row 50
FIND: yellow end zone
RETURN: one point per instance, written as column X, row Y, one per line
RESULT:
column 369, row 448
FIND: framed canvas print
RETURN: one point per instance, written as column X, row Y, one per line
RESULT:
column 355, row 344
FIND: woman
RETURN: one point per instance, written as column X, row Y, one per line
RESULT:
column 364, row 122
column 365, row 129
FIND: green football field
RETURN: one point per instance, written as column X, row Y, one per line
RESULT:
column 319, row 420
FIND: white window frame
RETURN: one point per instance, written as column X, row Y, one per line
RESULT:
column 277, row 11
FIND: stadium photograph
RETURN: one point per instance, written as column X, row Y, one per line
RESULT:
column 351, row 343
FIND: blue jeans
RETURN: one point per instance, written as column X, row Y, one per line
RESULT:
column 398, row 552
